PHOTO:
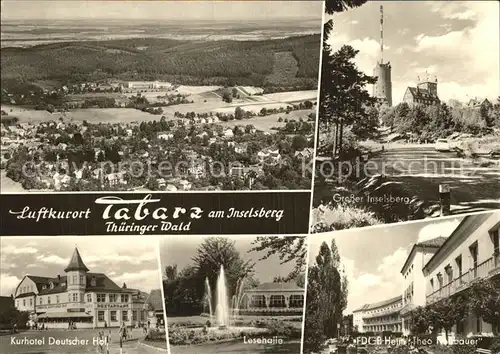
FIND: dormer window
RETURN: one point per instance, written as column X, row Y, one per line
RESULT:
column 93, row 281
column 51, row 285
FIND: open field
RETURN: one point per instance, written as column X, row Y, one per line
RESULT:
column 253, row 107
column 268, row 122
column 292, row 96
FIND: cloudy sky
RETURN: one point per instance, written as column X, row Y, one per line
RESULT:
column 157, row 10
column 456, row 41
column 180, row 250
column 129, row 259
column 373, row 257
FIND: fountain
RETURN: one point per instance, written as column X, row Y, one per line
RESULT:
column 208, row 297
column 222, row 308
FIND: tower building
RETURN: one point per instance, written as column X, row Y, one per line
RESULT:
column 382, row 89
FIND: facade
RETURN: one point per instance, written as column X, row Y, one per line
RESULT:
column 472, row 252
column 382, row 89
column 424, row 94
column 80, row 297
column 273, row 299
column 414, row 279
column 383, row 316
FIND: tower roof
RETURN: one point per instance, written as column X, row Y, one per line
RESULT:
column 76, row 262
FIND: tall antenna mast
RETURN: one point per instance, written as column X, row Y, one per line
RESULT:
column 381, row 34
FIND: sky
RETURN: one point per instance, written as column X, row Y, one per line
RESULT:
column 456, row 41
column 373, row 257
column 124, row 259
column 159, row 10
column 181, row 249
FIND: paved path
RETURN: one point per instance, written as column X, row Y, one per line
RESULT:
column 473, row 188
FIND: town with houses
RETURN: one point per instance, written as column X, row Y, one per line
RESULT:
column 186, row 151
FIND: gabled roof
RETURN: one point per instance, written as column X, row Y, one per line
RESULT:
column 155, row 300
column 379, row 304
column 76, row 262
column 434, row 243
column 421, row 93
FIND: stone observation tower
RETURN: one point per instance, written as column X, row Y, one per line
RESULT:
column 382, row 89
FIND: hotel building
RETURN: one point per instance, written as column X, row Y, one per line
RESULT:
column 274, row 299
column 437, row 269
column 472, row 252
column 80, row 297
column 383, row 316
column 414, row 280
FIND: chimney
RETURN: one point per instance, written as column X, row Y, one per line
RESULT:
column 124, row 286
column 59, row 277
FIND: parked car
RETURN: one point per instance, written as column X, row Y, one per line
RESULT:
column 442, row 145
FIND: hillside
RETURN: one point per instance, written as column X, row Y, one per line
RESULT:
column 246, row 63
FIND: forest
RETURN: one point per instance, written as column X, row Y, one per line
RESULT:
column 182, row 62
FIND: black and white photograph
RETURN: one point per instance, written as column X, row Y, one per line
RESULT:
column 409, row 113
column 158, row 95
column 419, row 287
column 241, row 294
column 81, row 295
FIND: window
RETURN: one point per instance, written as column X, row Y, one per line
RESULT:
column 125, row 316
column 277, row 301
column 496, row 247
column 458, row 261
column 296, row 301
column 112, row 297
column 449, row 273
column 48, row 300
column 258, row 301
column 74, row 279
column 89, row 297
column 474, row 254
column 100, row 316
column 124, row 297
column 440, row 280
column 101, row 297
column 432, row 285
column 69, row 297
column 57, row 299
column 134, row 315
column 24, row 302
column 82, row 280
column 113, row 316
column 75, row 297
column 31, row 302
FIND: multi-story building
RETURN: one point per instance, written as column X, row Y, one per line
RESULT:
column 472, row 252
column 79, row 297
column 378, row 317
column 424, row 94
column 414, row 279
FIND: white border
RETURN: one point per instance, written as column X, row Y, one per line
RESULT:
column 160, row 273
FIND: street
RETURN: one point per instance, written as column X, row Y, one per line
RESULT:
column 130, row 346
column 422, row 169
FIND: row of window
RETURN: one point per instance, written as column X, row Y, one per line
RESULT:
column 26, row 289
column 137, row 315
column 449, row 275
column 74, row 297
column 277, row 301
column 384, row 309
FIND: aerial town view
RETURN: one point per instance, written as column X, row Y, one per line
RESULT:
column 170, row 96
column 408, row 132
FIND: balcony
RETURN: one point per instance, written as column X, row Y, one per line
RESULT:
column 484, row 270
